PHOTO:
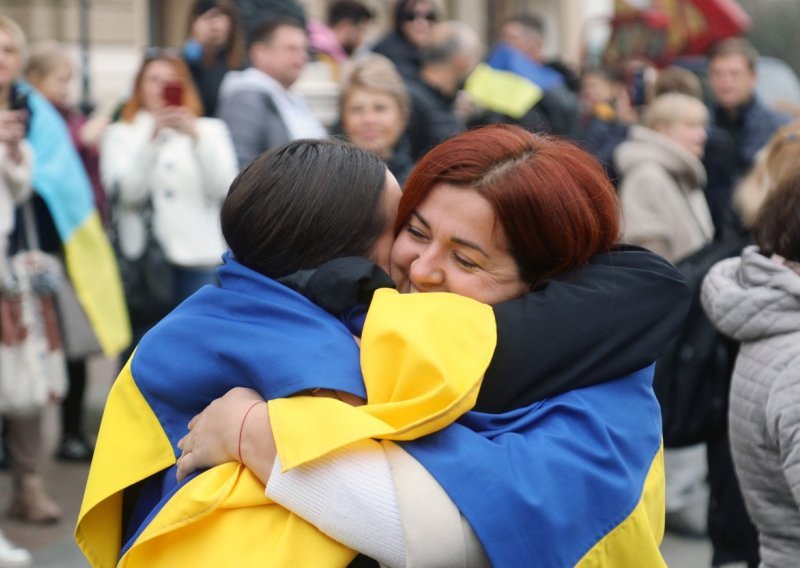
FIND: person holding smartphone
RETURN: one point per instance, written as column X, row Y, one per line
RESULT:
column 167, row 170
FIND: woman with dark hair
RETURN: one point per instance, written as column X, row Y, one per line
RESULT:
column 755, row 299
column 413, row 27
column 529, row 224
column 167, row 170
column 215, row 45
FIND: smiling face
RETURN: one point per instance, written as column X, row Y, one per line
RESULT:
column 452, row 242
column 373, row 121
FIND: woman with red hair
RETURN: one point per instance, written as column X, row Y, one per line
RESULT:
column 559, row 462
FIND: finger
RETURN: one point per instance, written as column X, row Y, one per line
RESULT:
column 181, row 442
column 193, row 421
column 185, row 467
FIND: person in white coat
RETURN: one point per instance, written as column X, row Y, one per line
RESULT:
column 162, row 157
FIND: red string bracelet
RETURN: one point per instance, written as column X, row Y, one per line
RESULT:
column 241, row 429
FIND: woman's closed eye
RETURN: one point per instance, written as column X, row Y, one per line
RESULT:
column 416, row 232
column 465, row 262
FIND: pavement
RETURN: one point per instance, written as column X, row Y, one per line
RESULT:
column 53, row 546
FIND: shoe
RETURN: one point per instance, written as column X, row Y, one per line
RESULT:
column 12, row 556
column 74, row 448
column 31, row 503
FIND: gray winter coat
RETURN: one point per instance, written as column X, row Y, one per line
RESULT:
column 757, row 302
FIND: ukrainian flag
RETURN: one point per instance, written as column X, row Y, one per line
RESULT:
column 60, row 179
column 510, row 83
column 422, row 357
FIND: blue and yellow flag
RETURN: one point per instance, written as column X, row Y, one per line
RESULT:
column 60, row 179
column 510, row 83
column 422, row 356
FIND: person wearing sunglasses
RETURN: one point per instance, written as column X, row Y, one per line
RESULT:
column 413, row 29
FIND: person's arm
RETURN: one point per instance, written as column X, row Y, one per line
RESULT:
column 254, row 125
column 597, row 323
column 127, row 158
column 216, row 157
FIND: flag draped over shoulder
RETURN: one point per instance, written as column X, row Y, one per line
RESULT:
column 573, row 480
column 252, row 331
column 60, row 179
column 510, row 83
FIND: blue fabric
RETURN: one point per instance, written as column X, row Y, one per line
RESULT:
column 249, row 331
column 542, row 485
column 506, row 58
column 58, row 173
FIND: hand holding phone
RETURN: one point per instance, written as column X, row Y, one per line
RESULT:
column 173, row 93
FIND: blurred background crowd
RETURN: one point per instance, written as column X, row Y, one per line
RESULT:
column 690, row 106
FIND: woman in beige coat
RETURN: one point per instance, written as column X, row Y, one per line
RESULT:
column 663, row 178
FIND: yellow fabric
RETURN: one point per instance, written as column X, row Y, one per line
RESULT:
column 131, row 446
column 423, row 357
column 421, row 371
column 502, row 91
column 95, row 276
column 222, row 518
column 636, row 541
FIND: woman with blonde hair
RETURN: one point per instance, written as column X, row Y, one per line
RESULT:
column 167, row 171
column 374, row 107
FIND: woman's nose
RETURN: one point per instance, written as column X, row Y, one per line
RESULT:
column 426, row 272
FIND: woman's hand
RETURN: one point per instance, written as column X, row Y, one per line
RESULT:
column 178, row 118
column 13, row 124
column 213, row 436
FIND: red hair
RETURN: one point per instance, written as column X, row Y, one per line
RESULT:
column 552, row 199
column 191, row 100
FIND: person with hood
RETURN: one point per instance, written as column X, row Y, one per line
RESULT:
column 257, row 104
column 755, row 299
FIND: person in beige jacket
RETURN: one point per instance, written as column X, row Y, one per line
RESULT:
column 665, row 210
column 663, row 178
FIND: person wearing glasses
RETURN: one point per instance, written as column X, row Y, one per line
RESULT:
column 413, row 31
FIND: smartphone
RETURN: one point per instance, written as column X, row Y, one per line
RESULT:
column 173, row 93
column 19, row 101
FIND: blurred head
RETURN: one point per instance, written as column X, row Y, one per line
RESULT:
column 732, row 72
column 681, row 118
column 525, row 33
column 349, row 20
column 678, row 80
column 279, row 48
column 50, row 71
column 498, row 210
column 598, row 86
column 776, row 161
column 414, row 20
column 777, row 227
column 217, row 21
column 13, row 47
column 374, row 105
column 454, row 45
column 308, row 202
column 160, row 66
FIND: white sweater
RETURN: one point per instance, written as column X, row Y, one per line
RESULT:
column 186, row 181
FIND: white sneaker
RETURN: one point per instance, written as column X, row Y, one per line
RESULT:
column 12, row 556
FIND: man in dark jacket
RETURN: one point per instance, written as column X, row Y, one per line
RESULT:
column 746, row 124
column 446, row 62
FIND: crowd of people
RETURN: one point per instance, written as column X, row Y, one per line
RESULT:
column 227, row 204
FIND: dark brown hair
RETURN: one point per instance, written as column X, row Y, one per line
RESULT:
column 304, row 203
column 552, row 199
column 234, row 47
column 777, row 226
column 734, row 46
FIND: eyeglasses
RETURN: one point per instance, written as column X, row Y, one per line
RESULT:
column 411, row 16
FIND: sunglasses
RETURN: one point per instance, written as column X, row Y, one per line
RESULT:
column 411, row 16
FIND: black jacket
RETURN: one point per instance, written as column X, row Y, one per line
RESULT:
column 433, row 118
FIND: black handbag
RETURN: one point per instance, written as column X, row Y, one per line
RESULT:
column 149, row 280
column 693, row 374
